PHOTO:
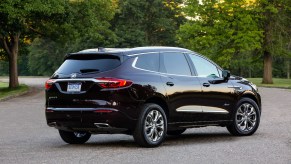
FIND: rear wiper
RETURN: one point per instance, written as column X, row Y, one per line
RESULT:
column 89, row 70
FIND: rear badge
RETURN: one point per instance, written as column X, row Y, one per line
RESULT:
column 73, row 75
column 74, row 87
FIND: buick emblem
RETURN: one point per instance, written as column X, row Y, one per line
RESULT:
column 73, row 75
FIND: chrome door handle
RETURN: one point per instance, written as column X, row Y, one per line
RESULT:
column 170, row 83
column 206, row 84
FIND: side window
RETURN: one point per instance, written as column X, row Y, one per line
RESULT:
column 148, row 62
column 203, row 67
column 175, row 63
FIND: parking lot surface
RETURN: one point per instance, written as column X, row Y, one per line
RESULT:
column 25, row 138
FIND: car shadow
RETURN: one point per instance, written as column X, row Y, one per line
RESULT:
column 183, row 139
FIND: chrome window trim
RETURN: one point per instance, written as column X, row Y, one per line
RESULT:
column 143, row 53
column 162, row 73
column 152, row 52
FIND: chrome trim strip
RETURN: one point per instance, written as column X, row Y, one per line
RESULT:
column 79, row 109
column 201, row 109
column 190, row 108
column 235, row 87
column 209, row 109
column 80, row 79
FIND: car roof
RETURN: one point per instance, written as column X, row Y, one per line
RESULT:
column 129, row 51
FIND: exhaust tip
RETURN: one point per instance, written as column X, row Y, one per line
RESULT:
column 52, row 124
column 102, row 125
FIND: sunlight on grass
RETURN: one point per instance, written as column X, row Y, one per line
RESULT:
column 278, row 83
column 7, row 92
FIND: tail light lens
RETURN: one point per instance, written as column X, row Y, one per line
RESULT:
column 113, row 83
column 49, row 83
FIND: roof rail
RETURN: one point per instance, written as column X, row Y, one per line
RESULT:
column 101, row 49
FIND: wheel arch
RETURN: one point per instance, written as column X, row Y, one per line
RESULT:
column 253, row 97
column 161, row 102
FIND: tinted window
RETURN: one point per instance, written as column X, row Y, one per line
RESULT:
column 148, row 62
column 88, row 65
column 175, row 63
column 203, row 67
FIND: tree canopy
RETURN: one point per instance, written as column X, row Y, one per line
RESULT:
column 230, row 31
column 147, row 22
column 245, row 36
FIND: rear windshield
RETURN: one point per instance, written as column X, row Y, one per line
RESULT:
column 88, row 65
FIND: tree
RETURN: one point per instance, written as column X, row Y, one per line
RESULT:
column 232, row 30
column 225, row 31
column 85, row 24
column 20, row 19
column 275, row 22
column 147, row 22
column 68, row 25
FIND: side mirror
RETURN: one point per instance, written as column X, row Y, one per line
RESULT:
column 225, row 75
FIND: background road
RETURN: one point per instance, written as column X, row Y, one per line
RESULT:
column 25, row 138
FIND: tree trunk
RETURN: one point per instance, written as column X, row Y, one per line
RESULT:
column 11, row 44
column 13, row 71
column 268, row 77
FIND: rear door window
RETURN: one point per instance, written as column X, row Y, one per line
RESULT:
column 148, row 62
column 87, row 65
column 175, row 63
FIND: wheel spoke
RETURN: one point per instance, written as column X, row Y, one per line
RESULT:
column 151, row 132
column 154, row 125
column 156, row 115
column 252, row 122
column 160, row 125
column 246, row 117
column 240, row 121
column 156, row 135
column 252, row 112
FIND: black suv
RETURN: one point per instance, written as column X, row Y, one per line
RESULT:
column 147, row 92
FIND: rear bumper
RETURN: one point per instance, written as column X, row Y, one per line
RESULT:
column 93, row 120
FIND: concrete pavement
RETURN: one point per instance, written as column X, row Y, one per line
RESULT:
column 25, row 138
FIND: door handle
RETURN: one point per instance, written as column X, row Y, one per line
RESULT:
column 170, row 84
column 206, row 84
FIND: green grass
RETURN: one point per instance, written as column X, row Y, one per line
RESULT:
column 278, row 83
column 7, row 92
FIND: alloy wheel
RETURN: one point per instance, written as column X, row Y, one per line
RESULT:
column 154, row 126
column 246, row 117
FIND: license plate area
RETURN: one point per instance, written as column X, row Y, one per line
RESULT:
column 74, row 87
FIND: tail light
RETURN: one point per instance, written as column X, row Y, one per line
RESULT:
column 113, row 83
column 49, row 83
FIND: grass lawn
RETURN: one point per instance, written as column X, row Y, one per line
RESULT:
column 278, row 83
column 6, row 92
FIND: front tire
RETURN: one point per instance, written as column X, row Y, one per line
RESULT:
column 74, row 137
column 246, row 118
column 151, row 127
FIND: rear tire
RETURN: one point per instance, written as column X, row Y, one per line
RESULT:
column 245, row 118
column 151, row 127
column 176, row 132
column 74, row 137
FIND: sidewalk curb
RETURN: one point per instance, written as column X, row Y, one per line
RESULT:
column 17, row 95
